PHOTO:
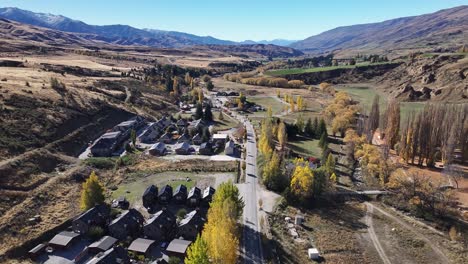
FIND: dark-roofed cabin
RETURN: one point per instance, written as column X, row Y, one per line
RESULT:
column 182, row 148
column 196, row 125
column 205, row 149
column 96, row 216
column 142, row 246
column 180, row 194
column 106, row 144
column 165, row 194
column 115, row 255
column 128, row 224
column 184, row 138
column 182, row 123
column 35, row 252
column 103, row 244
column 230, row 148
column 161, row 226
column 191, row 225
column 150, row 134
column 197, row 139
column 178, row 248
column 158, row 149
column 150, row 197
column 194, row 196
column 166, row 138
column 63, row 239
column 208, row 193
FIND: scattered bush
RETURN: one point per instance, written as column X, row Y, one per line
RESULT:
column 95, row 232
column 100, row 162
column 181, row 213
column 57, row 85
column 4, row 79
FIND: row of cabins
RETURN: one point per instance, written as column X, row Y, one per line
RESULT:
column 109, row 142
column 157, row 131
column 192, row 198
column 145, row 235
column 183, row 146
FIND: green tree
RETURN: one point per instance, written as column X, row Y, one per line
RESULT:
column 300, row 123
column 315, row 127
column 309, row 129
column 228, row 190
column 330, row 165
column 208, row 115
column 272, row 177
column 322, row 128
column 323, row 140
column 197, row 253
column 198, row 111
column 169, row 85
column 92, row 192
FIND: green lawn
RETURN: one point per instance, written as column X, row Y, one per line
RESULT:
column 317, row 69
column 133, row 190
column 276, row 106
column 225, row 124
column 365, row 96
column 306, row 146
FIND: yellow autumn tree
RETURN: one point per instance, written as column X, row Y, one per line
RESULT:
column 197, row 252
column 292, row 104
column 370, row 158
column 302, row 180
column 300, row 103
column 92, row 192
column 278, row 93
column 266, row 138
column 200, row 96
column 282, row 135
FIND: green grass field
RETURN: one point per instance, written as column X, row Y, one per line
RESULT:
column 225, row 124
column 317, row 69
column 305, row 146
column 133, row 190
column 365, row 96
column 276, row 106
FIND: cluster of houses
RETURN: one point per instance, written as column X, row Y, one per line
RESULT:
column 181, row 134
column 112, row 140
column 159, row 237
column 227, row 93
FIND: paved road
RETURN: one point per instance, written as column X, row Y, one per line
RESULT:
column 251, row 245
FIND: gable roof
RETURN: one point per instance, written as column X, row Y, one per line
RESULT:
column 194, row 191
column 99, row 211
column 188, row 218
column 141, row 245
column 208, row 191
column 129, row 215
column 161, row 216
column 197, row 137
column 182, row 145
column 63, row 238
column 166, row 189
column 178, row 246
column 104, row 243
column 206, row 145
column 181, row 188
column 151, row 190
column 109, row 256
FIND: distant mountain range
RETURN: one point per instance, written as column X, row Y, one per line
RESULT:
column 439, row 29
column 121, row 34
column 445, row 28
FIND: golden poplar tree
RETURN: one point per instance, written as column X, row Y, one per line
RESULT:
column 302, row 180
column 92, row 192
column 200, row 96
column 282, row 135
column 292, row 105
column 300, row 103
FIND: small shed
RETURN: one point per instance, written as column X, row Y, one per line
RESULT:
column 299, row 219
column 313, row 253
column 158, row 149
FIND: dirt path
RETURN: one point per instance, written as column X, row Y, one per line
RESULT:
column 434, row 247
column 373, row 236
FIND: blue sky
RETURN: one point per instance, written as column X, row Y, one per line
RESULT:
column 236, row 19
